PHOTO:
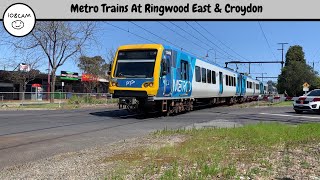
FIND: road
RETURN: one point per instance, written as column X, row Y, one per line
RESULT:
column 31, row 135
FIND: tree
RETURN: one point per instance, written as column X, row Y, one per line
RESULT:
column 295, row 53
column 271, row 86
column 24, row 76
column 295, row 73
column 293, row 76
column 58, row 42
column 95, row 67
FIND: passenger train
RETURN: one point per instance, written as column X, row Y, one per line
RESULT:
column 156, row 77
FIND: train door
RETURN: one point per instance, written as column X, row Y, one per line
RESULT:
column 185, row 76
column 238, row 84
column 220, row 83
column 261, row 88
column 243, row 85
column 166, row 73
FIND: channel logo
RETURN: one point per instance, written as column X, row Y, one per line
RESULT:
column 19, row 19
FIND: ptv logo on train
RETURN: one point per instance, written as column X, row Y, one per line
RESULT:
column 130, row 82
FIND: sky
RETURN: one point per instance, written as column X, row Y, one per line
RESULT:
column 229, row 40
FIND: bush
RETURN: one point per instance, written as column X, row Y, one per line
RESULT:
column 86, row 100
column 75, row 100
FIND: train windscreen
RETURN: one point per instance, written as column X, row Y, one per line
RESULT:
column 135, row 63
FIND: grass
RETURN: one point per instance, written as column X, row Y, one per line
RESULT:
column 221, row 153
column 72, row 103
column 283, row 104
column 47, row 106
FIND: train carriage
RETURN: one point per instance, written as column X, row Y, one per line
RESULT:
column 158, row 77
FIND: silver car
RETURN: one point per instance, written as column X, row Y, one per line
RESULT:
column 308, row 102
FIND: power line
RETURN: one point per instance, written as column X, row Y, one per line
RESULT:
column 130, row 32
column 189, row 34
column 265, row 37
column 197, row 38
column 184, row 37
column 209, row 40
column 164, row 39
column 220, row 41
column 156, row 35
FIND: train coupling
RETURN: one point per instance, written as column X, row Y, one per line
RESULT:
column 128, row 103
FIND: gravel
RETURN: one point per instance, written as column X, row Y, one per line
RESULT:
column 85, row 164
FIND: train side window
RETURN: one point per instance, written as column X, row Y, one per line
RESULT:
column 231, row 81
column 204, row 75
column 184, row 70
column 247, row 84
column 227, row 80
column 174, row 58
column 213, row 75
column 198, row 74
column 208, row 76
column 235, row 84
column 168, row 59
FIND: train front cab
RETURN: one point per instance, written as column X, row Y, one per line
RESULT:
column 135, row 74
column 152, row 76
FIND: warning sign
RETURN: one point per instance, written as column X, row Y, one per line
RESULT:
column 306, row 86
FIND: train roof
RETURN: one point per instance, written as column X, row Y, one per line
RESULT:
column 207, row 61
column 179, row 50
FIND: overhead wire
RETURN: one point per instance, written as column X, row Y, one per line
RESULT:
column 184, row 37
column 210, row 41
column 220, row 41
column 194, row 37
column 265, row 37
column 130, row 32
column 182, row 48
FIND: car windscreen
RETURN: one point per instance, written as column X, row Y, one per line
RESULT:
column 314, row 93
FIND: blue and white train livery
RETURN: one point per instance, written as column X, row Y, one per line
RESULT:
column 162, row 78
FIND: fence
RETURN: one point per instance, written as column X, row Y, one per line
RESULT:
column 35, row 98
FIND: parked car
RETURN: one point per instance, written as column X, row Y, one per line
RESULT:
column 308, row 102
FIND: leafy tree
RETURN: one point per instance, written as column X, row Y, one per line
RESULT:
column 271, row 86
column 58, row 42
column 23, row 77
column 94, row 66
column 295, row 53
column 295, row 73
column 293, row 76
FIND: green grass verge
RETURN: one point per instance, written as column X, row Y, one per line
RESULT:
column 283, row 104
column 46, row 106
column 252, row 151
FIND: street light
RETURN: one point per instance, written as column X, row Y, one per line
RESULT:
column 215, row 54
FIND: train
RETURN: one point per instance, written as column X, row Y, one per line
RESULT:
column 162, row 78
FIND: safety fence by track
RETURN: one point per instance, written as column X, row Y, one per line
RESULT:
column 38, row 98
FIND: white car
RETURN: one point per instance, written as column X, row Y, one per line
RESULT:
column 308, row 102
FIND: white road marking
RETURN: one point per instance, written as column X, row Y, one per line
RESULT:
column 287, row 115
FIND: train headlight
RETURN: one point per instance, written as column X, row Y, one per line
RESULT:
column 151, row 84
column 146, row 84
column 114, row 84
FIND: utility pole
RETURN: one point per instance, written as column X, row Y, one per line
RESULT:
column 313, row 65
column 215, row 55
column 261, row 75
column 250, row 62
column 282, row 62
column 49, row 83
